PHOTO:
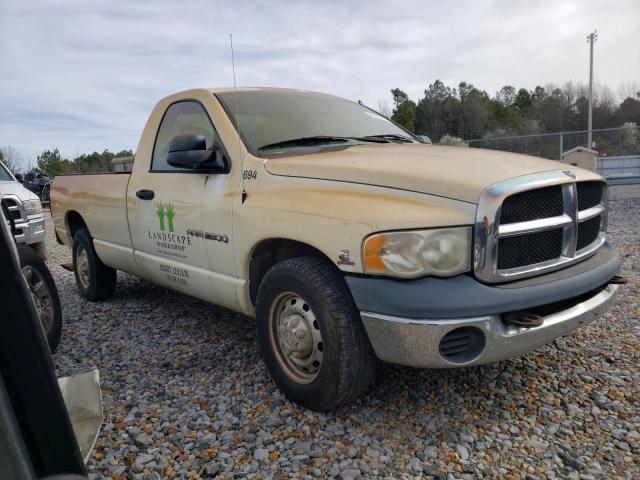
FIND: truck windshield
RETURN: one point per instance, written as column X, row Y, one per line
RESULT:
column 5, row 176
column 273, row 121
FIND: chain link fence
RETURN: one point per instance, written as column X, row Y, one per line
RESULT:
column 618, row 149
column 609, row 142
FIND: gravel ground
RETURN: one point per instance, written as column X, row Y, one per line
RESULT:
column 186, row 395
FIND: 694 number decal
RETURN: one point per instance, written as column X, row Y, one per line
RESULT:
column 249, row 175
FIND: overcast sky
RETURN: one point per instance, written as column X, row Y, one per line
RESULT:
column 83, row 75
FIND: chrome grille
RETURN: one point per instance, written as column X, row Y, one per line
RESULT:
column 520, row 250
column 13, row 207
column 588, row 232
column 589, row 194
column 532, row 205
column 538, row 223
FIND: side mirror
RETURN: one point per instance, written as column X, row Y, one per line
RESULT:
column 424, row 138
column 19, row 177
column 190, row 151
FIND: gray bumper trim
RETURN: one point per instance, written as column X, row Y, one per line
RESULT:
column 417, row 342
column 464, row 296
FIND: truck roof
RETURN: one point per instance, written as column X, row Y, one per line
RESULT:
column 265, row 89
column 187, row 93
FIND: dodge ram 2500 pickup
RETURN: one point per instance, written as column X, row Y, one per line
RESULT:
column 25, row 210
column 344, row 235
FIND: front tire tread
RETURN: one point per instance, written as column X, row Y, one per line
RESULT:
column 352, row 361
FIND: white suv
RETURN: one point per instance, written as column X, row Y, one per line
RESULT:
column 25, row 209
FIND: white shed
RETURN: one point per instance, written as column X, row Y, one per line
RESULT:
column 582, row 157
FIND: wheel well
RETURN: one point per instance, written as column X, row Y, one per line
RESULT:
column 75, row 222
column 269, row 252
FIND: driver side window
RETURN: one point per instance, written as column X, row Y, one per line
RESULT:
column 182, row 118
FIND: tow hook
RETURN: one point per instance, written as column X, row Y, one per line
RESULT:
column 618, row 280
column 523, row 319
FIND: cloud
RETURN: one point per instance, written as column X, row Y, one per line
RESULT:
column 83, row 76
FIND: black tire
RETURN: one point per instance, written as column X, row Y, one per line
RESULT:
column 348, row 362
column 98, row 281
column 36, row 271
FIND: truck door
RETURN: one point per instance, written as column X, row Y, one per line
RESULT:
column 180, row 219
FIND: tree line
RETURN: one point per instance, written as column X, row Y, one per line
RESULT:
column 467, row 112
column 447, row 114
column 51, row 162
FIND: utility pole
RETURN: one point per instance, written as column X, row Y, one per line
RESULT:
column 591, row 38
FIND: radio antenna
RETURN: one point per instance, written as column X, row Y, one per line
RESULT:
column 235, row 100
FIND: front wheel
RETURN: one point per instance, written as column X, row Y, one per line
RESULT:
column 311, row 336
column 44, row 293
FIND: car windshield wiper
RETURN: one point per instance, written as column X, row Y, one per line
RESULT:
column 315, row 140
column 320, row 139
column 390, row 137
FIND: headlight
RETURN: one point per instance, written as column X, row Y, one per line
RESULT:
column 32, row 207
column 442, row 252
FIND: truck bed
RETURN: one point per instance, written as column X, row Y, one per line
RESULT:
column 99, row 199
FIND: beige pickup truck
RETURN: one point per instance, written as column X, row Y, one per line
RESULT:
column 344, row 235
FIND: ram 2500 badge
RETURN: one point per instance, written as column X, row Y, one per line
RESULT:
column 345, row 236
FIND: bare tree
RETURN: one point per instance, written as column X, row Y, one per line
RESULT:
column 604, row 97
column 506, row 95
column 629, row 90
column 13, row 159
column 383, row 108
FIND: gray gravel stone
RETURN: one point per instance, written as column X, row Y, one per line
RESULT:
column 431, row 452
column 350, row 474
column 143, row 440
column 261, row 454
column 462, row 451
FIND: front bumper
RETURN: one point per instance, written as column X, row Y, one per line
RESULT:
column 463, row 296
column 419, row 342
column 458, row 321
column 30, row 231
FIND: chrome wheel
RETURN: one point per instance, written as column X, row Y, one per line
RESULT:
column 295, row 337
column 41, row 296
column 82, row 266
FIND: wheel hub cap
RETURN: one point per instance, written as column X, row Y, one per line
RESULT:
column 296, row 336
column 82, row 265
column 298, row 341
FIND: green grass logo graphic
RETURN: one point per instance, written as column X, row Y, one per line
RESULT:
column 170, row 213
column 165, row 211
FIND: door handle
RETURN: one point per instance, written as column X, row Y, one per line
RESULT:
column 145, row 194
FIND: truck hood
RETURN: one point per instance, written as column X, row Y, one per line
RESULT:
column 453, row 172
column 13, row 187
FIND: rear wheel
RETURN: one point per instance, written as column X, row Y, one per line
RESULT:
column 94, row 279
column 44, row 294
column 311, row 336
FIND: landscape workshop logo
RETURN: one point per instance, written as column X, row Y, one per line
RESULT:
column 166, row 239
column 165, row 211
